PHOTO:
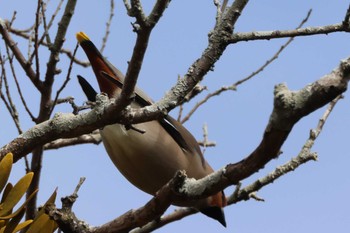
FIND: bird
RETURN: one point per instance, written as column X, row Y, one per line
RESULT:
column 148, row 154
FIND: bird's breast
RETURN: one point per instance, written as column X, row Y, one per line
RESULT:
column 148, row 160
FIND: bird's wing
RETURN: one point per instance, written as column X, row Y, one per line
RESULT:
column 179, row 133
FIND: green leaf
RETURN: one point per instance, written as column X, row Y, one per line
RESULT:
column 16, row 193
column 5, row 169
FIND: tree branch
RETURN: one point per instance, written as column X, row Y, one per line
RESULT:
column 19, row 56
column 233, row 87
column 143, row 34
column 268, row 35
column 94, row 138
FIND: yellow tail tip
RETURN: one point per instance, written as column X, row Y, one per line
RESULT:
column 81, row 36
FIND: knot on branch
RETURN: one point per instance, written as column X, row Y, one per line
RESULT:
column 101, row 101
column 62, row 120
column 196, row 189
column 345, row 68
column 283, row 97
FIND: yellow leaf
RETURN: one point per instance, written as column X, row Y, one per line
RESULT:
column 20, row 208
column 5, row 169
column 2, row 223
column 16, row 193
column 48, row 227
column 42, row 223
column 51, row 199
column 38, row 224
column 23, row 225
column 13, row 223
column 7, row 189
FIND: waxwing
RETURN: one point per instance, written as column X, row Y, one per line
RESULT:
column 148, row 159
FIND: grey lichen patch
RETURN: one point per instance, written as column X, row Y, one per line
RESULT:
column 37, row 131
column 283, row 97
column 300, row 96
column 192, row 187
column 63, row 121
column 345, row 68
column 101, row 101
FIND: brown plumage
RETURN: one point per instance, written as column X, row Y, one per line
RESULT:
column 149, row 160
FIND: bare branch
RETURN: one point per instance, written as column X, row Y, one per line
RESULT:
column 92, row 138
column 205, row 99
column 218, row 41
column 48, row 26
column 58, row 43
column 135, row 10
column 13, row 18
column 233, row 87
column 108, row 25
column 64, row 51
column 206, row 143
column 268, row 35
column 18, row 87
column 157, row 12
column 19, row 56
column 143, row 34
column 45, row 107
column 36, row 40
column 65, row 81
column 11, row 107
column 64, row 217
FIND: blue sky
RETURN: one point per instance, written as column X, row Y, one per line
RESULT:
column 312, row 198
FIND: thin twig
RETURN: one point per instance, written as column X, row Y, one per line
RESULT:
column 11, row 107
column 205, row 99
column 277, row 34
column 92, row 138
column 108, row 25
column 13, row 18
column 67, row 52
column 181, row 109
column 18, row 86
column 48, row 26
column 206, row 143
column 36, row 40
column 276, row 55
column 19, row 56
column 76, row 190
column 65, row 81
column 233, row 87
